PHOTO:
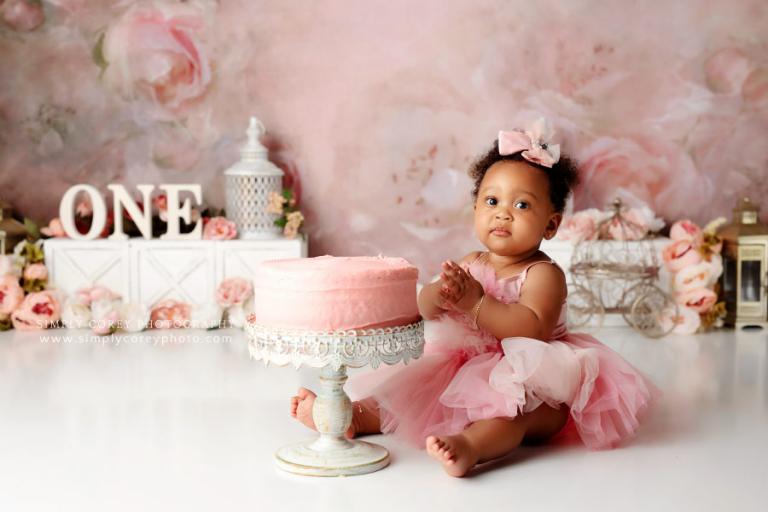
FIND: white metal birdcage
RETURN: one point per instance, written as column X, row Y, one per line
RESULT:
column 617, row 272
column 248, row 185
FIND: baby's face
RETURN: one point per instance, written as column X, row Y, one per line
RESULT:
column 513, row 212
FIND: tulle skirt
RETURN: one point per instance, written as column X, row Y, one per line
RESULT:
column 466, row 375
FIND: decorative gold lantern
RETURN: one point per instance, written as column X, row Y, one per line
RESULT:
column 11, row 231
column 744, row 283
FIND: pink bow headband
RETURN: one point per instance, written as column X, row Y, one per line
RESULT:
column 534, row 143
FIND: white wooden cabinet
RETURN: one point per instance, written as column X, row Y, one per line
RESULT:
column 147, row 271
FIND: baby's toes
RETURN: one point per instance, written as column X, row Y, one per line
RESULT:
column 433, row 444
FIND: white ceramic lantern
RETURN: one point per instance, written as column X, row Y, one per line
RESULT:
column 248, row 185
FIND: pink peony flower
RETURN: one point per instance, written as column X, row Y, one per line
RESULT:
column 233, row 291
column 579, row 226
column 643, row 171
column 169, row 314
column 685, row 230
column 22, row 15
column 160, row 203
column 54, row 229
column 39, row 310
column 680, row 254
column 219, row 228
column 86, row 296
column 726, row 70
column 153, row 52
column 107, row 324
column 755, row 89
column 686, row 321
column 84, row 208
column 11, row 294
column 693, row 277
column 634, row 227
column 35, row 271
column 700, row 299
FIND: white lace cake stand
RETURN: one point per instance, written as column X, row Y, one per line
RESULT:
column 331, row 454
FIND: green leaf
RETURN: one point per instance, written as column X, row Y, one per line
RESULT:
column 97, row 54
column 35, row 285
column 33, row 230
column 6, row 324
column 282, row 221
column 288, row 193
column 33, row 253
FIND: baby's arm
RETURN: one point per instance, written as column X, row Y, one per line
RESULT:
column 535, row 315
column 431, row 303
column 537, row 312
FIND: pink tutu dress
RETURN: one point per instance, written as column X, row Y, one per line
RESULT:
column 466, row 375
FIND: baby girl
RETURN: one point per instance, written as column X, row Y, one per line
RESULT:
column 499, row 367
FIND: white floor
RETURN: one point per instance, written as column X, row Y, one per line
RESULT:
column 143, row 425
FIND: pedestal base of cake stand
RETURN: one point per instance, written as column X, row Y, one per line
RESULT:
column 332, row 454
column 356, row 458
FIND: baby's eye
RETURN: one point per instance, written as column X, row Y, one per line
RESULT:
column 491, row 201
column 522, row 205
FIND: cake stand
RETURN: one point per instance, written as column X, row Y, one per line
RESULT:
column 331, row 454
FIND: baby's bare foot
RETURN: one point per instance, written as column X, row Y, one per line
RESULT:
column 301, row 409
column 453, row 452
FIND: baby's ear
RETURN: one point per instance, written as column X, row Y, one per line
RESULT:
column 554, row 222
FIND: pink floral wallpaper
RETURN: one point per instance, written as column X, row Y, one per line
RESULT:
column 378, row 106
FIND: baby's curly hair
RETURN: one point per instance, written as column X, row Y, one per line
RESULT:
column 563, row 176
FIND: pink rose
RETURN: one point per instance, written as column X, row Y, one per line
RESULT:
column 39, row 310
column 219, row 228
column 580, row 226
column 84, row 208
column 643, row 171
column 685, row 230
column 86, row 296
column 685, row 321
column 22, row 15
column 160, row 203
column 54, row 229
column 36, row 271
column 755, row 89
column 680, row 254
column 169, row 314
column 700, row 299
column 726, row 70
column 633, row 227
column 233, row 291
column 153, row 51
column 693, row 277
column 107, row 322
column 11, row 294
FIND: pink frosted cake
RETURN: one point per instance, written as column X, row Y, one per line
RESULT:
column 329, row 293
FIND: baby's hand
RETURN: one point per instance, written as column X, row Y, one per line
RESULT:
column 459, row 291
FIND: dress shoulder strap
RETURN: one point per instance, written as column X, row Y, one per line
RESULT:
column 524, row 273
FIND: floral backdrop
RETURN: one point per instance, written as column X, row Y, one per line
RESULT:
column 377, row 107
